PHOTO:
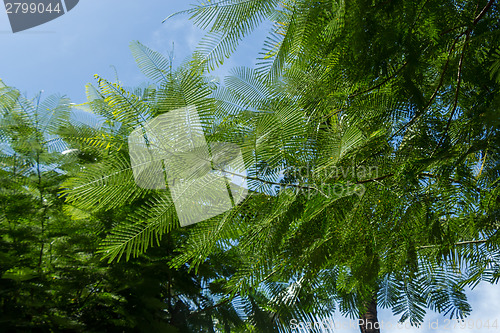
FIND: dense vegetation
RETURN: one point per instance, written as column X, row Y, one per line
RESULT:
column 369, row 132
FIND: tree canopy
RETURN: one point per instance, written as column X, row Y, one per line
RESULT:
column 369, row 136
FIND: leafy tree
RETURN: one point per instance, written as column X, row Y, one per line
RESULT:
column 401, row 86
column 39, row 243
column 106, row 184
column 370, row 136
column 50, row 276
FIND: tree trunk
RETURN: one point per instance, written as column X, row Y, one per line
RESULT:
column 368, row 321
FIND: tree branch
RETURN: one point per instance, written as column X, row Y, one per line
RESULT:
column 434, row 94
column 423, row 174
column 483, row 12
column 450, row 30
column 274, row 183
column 429, row 175
column 381, row 83
column 455, row 102
column 208, row 308
column 455, row 244
column 467, row 32
column 375, row 179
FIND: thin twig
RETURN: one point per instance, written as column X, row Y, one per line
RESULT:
column 451, row 29
column 419, row 113
column 227, row 300
column 459, row 75
column 423, row 174
column 455, row 244
column 429, row 175
column 418, row 15
column 457, row 91
column 482, row 164
column 274, row 183
column 374, row 179
column 381, row 83
column 434, row 94
column 483, row 12
column 81, row 304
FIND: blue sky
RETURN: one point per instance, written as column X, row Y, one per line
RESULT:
column 63, row 55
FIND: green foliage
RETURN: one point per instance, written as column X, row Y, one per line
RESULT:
column 369, row 132
column 227, row 22
column 51, row 276
column 391, row 87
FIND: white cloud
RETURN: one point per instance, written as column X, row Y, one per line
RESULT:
column 179, row 31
